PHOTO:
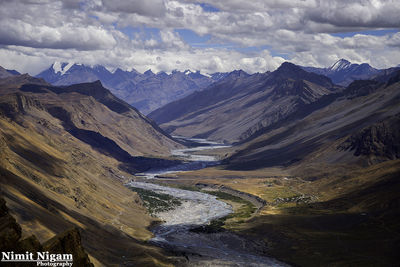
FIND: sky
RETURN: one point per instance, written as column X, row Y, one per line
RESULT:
column 210, row 36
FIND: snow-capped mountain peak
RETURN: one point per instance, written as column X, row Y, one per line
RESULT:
column 340, row 65
column 61, row 67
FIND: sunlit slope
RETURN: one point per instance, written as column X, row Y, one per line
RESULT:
column 63, row 161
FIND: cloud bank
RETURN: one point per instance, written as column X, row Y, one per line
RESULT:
column 210, row 36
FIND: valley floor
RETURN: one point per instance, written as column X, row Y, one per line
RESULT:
column 315, row 215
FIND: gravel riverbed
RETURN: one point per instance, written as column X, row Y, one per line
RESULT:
column 222, row 248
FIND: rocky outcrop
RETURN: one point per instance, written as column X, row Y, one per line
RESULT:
column 380, row 140
column 10, row 240
column 361, row 88
column 69, row 242
column 13, row 104
column 10, row 237
column 10, row 231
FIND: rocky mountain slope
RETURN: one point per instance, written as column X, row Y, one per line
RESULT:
column 380, row 140
column 238, row 106
column 358, row 125
column 147, row 91
column 4, row 73
column 65, row 152
column 343, row 72
column 329, row 173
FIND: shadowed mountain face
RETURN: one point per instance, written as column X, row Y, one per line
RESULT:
column 10, row 240
column 89, row 106
column 357, row 125
column 381, row 140
column 147, row 91
column 65, row 152
column 290, row 115
column 238, row 106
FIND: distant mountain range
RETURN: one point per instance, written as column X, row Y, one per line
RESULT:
column 245, row 109
column 150, row 91
column 356, row 125
column 146, row 92
column 344, row 72
column 237, row 106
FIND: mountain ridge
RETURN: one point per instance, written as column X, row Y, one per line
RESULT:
column 4, row 73
column 145, row 91
column 65, row 158
column 240, row 101
column 357, row 125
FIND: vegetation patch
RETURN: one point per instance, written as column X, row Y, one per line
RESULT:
column 156, row 202
column 296, row 199
column 245, row 211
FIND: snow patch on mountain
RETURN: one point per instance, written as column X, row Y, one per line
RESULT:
column 61, row 67
column 187, row 72
column 340, row 65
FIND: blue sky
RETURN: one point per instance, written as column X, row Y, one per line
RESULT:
column 367, row 32
column 209, row 36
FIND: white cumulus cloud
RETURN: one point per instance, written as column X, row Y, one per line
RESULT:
column 255, row 36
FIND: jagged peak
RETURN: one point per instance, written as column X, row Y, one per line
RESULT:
column 188, row 71
column 196, row 74
column 134, row 71
column 216, row 76
column 98, row 66
column 117, row 70
column 291, row 71
column 162, row 73
column 288, row 66
column 63, row 67
column 238, row 73
column 341, row 64
column 149, row 72
column 176, row 71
